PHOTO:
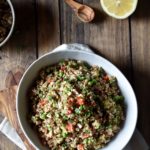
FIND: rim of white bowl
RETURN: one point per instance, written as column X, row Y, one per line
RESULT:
column 12, row 26
column 129, row 136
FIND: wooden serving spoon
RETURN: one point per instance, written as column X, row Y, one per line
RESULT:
column 8, row 103
column 83, row 12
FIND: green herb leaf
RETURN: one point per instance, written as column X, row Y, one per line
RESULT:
column 82, row 107
column 118, row 98
column 80, row 78
column 77, row 111
column 92, row 82
column 61, row 74
column 49, row 127
column 65, row 117
column 64, row 134
column 43, row 115
column 50, row 98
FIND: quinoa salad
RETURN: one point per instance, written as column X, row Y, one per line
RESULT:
column 75, row 106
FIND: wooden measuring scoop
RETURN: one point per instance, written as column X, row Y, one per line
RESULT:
column 83, row 12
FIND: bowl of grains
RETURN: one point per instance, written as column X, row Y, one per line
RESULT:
column 76, row 100
column 7, row 20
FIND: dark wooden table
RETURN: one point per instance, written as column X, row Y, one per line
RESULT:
column 41, row 25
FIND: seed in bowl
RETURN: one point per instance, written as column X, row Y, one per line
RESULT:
column 76, row 106
column 5, row 19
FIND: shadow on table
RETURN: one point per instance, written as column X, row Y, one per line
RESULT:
column 100, row 16
column 142, row 11
column 142, row 76
column 142, row 90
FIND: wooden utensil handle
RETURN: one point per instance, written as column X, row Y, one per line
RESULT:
column 73, row 4
column 2, row 108
column 8, row 108
column 7, row 103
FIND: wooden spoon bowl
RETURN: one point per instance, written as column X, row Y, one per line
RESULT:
column 83, row 12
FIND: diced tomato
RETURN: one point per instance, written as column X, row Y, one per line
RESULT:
column 69, row 111
column 80, row 147
column 106, row 78
column 49, row 80
column 63, row 68
column 70, row 100
column 80, row 101
column 70, row 127
column 42, row 102
column 84, row 136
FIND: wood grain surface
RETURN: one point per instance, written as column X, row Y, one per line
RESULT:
column 48, row 31
column 44, row 24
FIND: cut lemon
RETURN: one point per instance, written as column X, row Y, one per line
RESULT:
column 119, row 9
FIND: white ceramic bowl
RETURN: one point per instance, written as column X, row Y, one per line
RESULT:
column 12, row 26
column 121, row 139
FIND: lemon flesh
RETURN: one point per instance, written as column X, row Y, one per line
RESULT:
column 119, row 8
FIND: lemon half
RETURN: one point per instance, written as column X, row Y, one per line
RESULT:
column 119, row 9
